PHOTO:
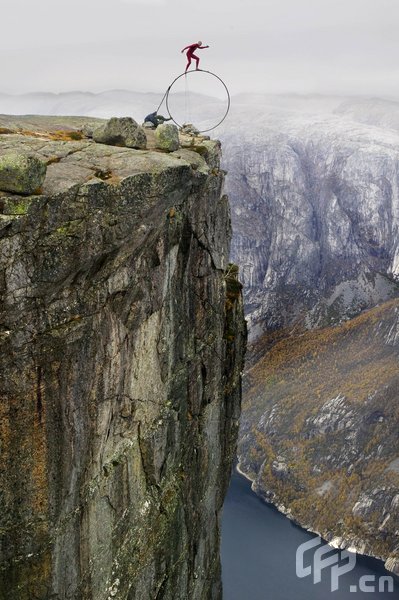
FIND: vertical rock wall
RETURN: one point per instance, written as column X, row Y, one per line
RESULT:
column 122, row 340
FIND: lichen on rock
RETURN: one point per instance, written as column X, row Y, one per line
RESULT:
column 122, row 131
column 167, row 137
column 21, row 173
column 121, row 388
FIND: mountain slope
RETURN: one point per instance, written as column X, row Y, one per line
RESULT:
column 315, row 211
column 319, row 431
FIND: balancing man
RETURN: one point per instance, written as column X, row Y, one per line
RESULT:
column 190, row 53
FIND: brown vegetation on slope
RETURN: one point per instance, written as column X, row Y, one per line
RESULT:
column 325, row 404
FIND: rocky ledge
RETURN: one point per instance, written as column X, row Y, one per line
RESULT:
column 122, row 340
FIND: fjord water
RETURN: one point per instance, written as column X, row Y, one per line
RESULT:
column 258, row 555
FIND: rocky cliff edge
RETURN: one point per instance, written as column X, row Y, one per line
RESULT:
column 122, row 340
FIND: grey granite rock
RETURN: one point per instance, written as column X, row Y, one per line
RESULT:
column 122, row 340
column 123, row 131
column 189, row 129
column 167, row 137
column 21, row 174
column 314, row 209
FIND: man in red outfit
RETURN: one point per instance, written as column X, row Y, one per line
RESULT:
column 190, row 54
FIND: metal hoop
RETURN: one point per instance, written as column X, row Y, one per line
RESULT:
column 199, row 71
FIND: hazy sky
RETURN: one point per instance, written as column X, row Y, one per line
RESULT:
column 327, row 46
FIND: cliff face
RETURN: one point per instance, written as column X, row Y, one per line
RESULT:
column 315, row 206
column 316, row 218
column 122, row 341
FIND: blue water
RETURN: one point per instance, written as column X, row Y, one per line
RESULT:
column 258, row 556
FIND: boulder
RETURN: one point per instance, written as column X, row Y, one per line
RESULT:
column 88, row 129
column 21, row 174
column 167, row 137
column 121, row 132
column 189, row 129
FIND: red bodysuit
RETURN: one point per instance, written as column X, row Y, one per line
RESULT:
column 190, row 54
